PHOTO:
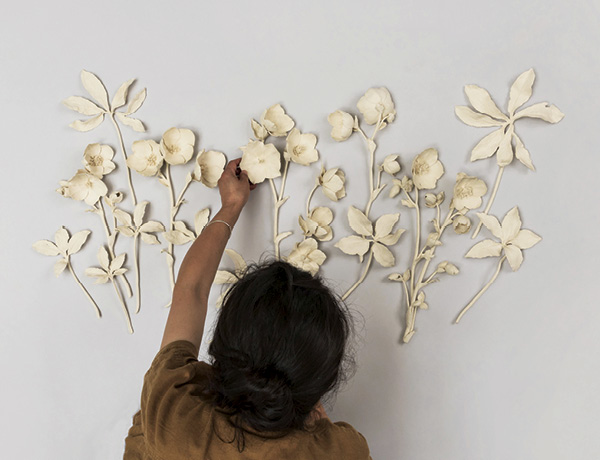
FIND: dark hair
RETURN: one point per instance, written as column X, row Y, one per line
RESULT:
column 280, row 344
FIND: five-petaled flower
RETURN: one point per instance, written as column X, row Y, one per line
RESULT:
column 342, row 125
column 147, row 158
column 317, row 223
column 487, row 114
column 177, row 145
column 261, row 161
column 426, row 169
column 306, row 256
column 209, row 167
column 276, row 121
column 377, row 105
column 300, row 148
column 97, row 159
column 332, row 182
column 84, row 186
column 512, row 239
column 468, row 191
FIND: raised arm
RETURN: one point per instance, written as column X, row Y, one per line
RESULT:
column 198, row 269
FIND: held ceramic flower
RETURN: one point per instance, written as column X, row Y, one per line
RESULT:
column 390, row 165
column 97, row 159
column 300, row 148
column 375, row 104
column 147, row 158
column 276, row 122
column 306, row 256
column 426, row 169
column 317, row 224
column 209, row 167
column 261, row 161
column 468, row 192
column 332, row 182
column 84, row 186
column 177, row 146
column 342, row 125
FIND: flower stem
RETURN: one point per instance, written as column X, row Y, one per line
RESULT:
column 310, row 195
column 110, row 243
column 362, row 277
column 285, row 171
column 275, row 217
column 480, row 293
column 179, row 201
column 98, row 312
column 125, row 310
column 171, row 219
column 417, row 243
column 137, row 273
column 120, row 136
column 490, row 201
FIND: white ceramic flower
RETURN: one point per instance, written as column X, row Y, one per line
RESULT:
column 375, row 104
column 332, row 182
column 317, row 224
column 426, row 169
column 300, row 148
column 306, row 256
column 209, row 167
column 432, row 200
column 147, row 158
column 342, row 125
column 391, row 165
column 64, row 188
column 177, row 145
column 261, row 161
column 512, row 239
column 487, row 114
column 468, row 192
column 84, row 186
column 97, row 159
column 276, row 121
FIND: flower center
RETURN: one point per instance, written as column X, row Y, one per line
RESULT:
column 464, row 192
column 174, row 149
column 152, row 160
column 299, row 149
column 421, row 168
column 95, row 160
column 89, row 184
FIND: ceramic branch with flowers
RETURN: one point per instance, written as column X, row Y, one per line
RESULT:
column 504, row 141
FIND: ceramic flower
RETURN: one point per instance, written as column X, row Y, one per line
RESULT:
column 342, row 125
column 97, row 159
column 512, row 239
column 147, row 158
column 332, row 182
column 276, row 121
column 487, row 114
column 300, row 148
column 432, row 200
column 306, row 256
column 399, row 185
column 260, row 132
column 261, row 161
column 317, row 224
column 377, row 104
column 209, row 167
column 84, row 186
column 113, row 199
column 461, row 224
column 468, row 192
column 177, row 146
column 64, row 188
column 426, row 169
column 374, row 237
column 390, row 165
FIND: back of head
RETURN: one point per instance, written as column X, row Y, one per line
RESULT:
column 279, row 345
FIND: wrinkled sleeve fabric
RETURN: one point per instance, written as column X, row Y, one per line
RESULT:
column 169, row 386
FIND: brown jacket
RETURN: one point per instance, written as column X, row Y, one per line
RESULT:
column 176, row 423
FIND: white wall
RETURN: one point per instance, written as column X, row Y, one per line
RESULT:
column 518, row 378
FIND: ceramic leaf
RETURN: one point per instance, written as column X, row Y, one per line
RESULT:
column 152, row 226
column 60, row 266
column 359, row 222
column 481, row 101
column 383, row 255
column 543, row 111
column 472, row 118
column 87, row 125
column 120, row 96
column 46, row 248
column 384, row 225
column 485, row 248
column 201, row 219
column 136, row 102
column 82, row 105
column 353, row 245
column 224, row 277
column 138, row 214
column 133, row 123
column 94, row 86
column 520, row 91
column 77, row 241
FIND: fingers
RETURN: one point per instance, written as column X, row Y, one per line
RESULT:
column 233, row 165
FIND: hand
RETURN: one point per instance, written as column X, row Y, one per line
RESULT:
column 234, row 186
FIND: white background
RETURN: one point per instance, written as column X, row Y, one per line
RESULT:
column 518, row 378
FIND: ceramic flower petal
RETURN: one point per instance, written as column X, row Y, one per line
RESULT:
column 359, row 222
column 525, row 239
column 390, row 165
column 485, row 248
column 481, row 101
column 514, row 256
column 521, row 90
column 211, row 165
column 383, row 255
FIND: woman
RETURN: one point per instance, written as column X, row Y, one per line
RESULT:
column 279, row 346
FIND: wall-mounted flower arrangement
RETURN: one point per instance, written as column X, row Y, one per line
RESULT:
column 373, row 237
